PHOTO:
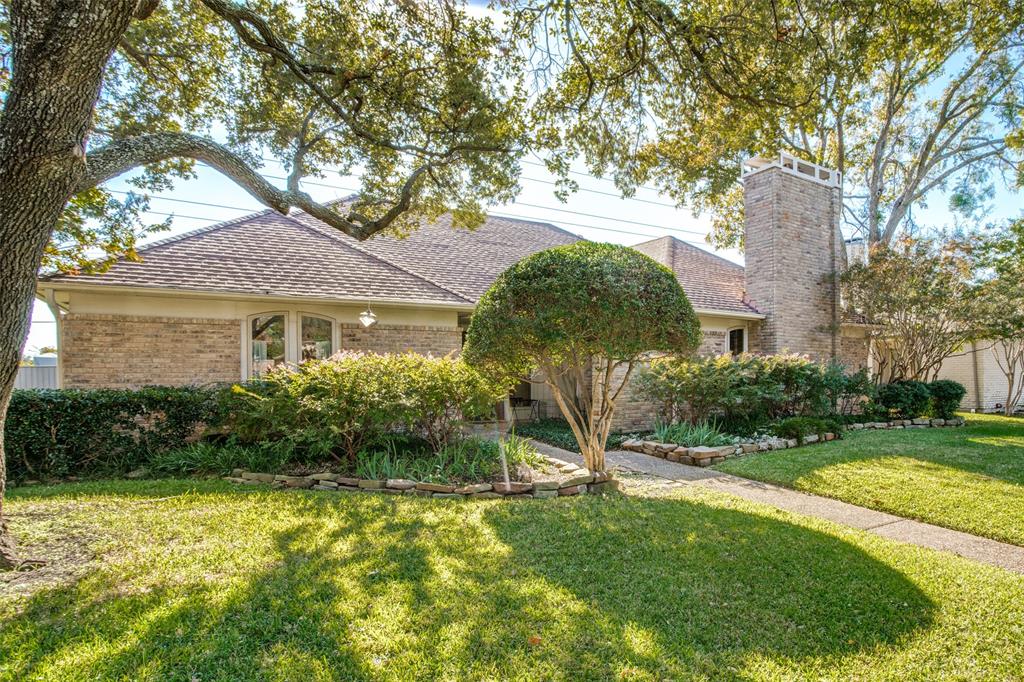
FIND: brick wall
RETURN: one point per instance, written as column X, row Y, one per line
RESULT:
column 119, row 351
column 853, row 352
column 383, row 338
column 791, row 254
column 713, row 343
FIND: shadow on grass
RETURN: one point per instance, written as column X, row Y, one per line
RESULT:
column 304, row 587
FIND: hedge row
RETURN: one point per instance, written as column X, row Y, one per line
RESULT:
column 52, row 433
column 336, row 408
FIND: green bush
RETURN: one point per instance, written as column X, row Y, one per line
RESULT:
column 946, row 396
column 691, row 435
column 750, row 391
column 905, row 399
column 51, row 433
column 800, row 427
column 337, row 407
column 557, row 432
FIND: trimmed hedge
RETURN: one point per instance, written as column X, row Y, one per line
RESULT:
column 51, row 433
column 946, row 396
column 905, row 399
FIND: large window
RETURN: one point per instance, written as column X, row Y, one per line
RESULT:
column 267, row 335
column 317, row 338
column 737, row 341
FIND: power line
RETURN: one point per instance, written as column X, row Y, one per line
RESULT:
column 496, row 214
column 616, row 195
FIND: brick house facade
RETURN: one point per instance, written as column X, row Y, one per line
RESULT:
column 221, row 303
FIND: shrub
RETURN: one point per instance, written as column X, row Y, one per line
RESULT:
column 946, row 396
column 801, row 427
column 339, row 406
column 52, row 433
column 905, row 399
column 748, row 391
column 691, row 435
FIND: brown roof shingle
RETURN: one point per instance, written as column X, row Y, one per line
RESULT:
column 299, row 256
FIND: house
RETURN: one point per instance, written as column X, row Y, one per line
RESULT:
column 227, row 302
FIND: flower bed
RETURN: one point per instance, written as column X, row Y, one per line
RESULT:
column 558, row 479
column 706, row 456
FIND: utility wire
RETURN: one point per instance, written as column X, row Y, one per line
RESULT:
column 503, row 215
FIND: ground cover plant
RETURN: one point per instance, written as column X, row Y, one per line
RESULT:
column 557, row 432
column 969, row 479
column 704, row 433
column 186, row 580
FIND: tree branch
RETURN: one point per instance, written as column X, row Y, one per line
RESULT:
column 121, row 156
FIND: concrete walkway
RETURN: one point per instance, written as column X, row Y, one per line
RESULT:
column 1010, row 557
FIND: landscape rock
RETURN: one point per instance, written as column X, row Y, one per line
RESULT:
column 367, row 484
column 474, row 488
column 266, row 478
column 400, row 483
column 545, row 493
column 513, row 488
column 436, row 487
column 489, row 495
column 571, row 490
column 325, row 476
column 581, row 478
column 545, row 484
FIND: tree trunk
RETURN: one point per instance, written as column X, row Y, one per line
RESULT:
column 60, row 50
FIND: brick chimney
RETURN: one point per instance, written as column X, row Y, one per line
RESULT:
column 794, row 249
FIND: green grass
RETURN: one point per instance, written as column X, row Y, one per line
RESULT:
column 970, row 479
column 188, row 580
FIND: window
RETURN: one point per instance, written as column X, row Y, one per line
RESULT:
column 267, row 341
column 317, row 334
column 737, row 341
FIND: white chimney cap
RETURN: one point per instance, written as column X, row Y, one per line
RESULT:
column 795, row 166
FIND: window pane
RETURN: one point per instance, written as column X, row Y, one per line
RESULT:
column 316, row 338
column 736, row 341
column 267, row 340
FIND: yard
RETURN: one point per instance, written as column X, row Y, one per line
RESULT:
column 969, row 479
column 200, row 580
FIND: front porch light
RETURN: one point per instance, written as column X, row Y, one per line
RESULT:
column 367, row 317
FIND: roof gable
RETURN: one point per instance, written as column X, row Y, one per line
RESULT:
column 710, row 282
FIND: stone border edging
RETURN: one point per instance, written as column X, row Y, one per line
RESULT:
column 703, row 456
column 575, row 481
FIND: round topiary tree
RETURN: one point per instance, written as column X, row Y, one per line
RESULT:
column 584, row 315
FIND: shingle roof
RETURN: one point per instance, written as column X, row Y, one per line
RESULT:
column 270, row 254
column 710, row 282
column 299, row 256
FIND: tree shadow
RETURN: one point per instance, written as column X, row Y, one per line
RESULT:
column 322, row 586
column 681, row 589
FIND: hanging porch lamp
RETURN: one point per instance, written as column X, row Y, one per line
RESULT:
column 367, row 318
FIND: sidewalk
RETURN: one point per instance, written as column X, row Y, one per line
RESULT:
column 1010, row 557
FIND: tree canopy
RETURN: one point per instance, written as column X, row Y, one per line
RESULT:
column 561, row 308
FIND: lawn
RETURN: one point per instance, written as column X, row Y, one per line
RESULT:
column 970, row 479
column 179, row 580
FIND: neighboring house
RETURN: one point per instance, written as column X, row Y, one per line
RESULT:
column 229, row 301
column 975, row 366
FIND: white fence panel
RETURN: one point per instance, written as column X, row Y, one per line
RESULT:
column 36, row 377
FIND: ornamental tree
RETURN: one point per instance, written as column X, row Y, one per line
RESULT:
column 578, row 310
column 1001, row 296
column 919, row 299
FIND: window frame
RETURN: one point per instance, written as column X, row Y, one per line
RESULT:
column 299, row 314
column 728, row 339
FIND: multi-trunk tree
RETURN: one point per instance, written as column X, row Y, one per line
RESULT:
column 583, row 315
column 1001, row 298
